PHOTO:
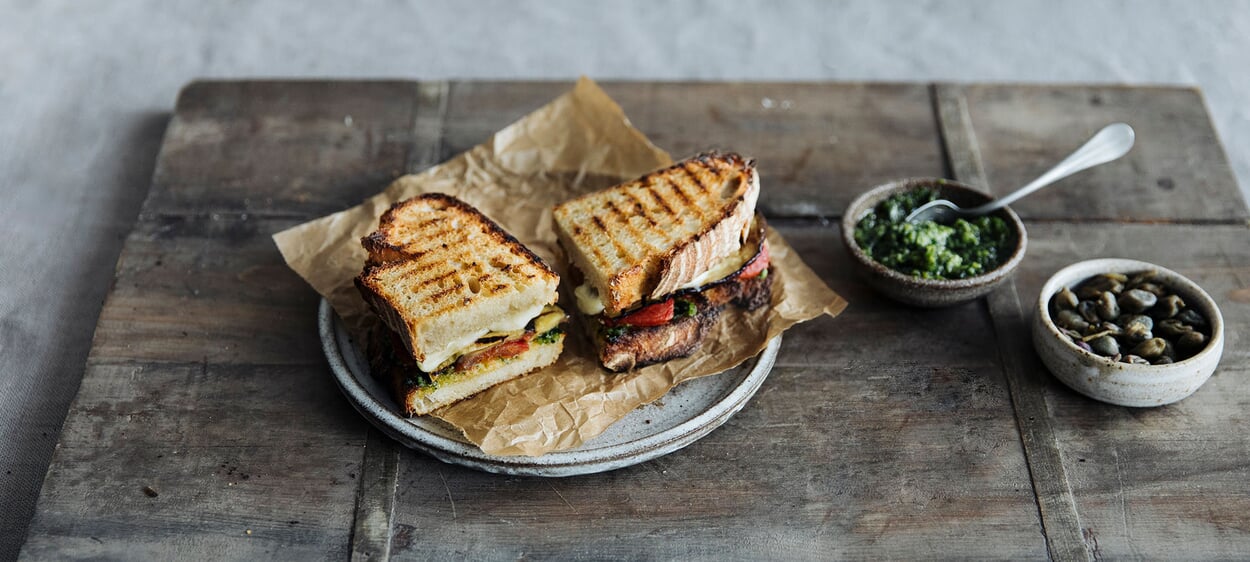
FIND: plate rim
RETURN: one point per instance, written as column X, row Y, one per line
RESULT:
column 557, row 463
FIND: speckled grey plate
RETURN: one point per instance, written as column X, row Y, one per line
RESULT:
column 689, row 411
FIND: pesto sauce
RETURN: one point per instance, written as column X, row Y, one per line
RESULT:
column 930, row 250
column 550, row 336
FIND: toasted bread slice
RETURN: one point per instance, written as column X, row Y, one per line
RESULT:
column 420, row 393
column 651, row 236
column 441, row 275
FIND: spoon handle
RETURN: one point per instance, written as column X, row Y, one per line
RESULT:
column 1112, row 142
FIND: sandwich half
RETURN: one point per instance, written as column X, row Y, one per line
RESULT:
column 655, row 260
column 464, row 304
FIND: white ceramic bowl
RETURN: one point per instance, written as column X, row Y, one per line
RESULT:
column 1110, row 381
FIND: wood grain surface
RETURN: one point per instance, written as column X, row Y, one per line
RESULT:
column 207, row 424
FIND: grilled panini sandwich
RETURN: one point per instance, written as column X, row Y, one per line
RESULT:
column 655, row 260
column 465, row 305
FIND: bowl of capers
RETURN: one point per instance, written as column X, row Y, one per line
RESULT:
column 1127, row 332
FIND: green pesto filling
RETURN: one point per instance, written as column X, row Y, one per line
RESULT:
column 550, row 336
column 966, row 248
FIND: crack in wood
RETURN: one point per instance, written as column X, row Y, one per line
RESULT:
column 375, row 499
column 1061, row 523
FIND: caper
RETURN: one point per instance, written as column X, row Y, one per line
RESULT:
column 1137, row 300
column 1107, row 307
column 1138, row 278
column 1105, row 345
column 1151, row 348
column 1097, row 284
column 1065, row 299
column 1153, row 289
column 1172, row 328
column 1138, row 328
column 1071, row 320
column 1168, row 306
column 1089, row 311
column 1169, row 350
column 1191, row 341
column 1191, row 317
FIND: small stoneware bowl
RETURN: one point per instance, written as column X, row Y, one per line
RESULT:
column 918, row 291
column 1119, row 383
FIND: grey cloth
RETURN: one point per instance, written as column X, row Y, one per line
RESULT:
column 85, row 91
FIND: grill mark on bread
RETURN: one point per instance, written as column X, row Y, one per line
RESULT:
column 434, row 280
column 413, row 249
column 660, row 200
column 621, row 250
column 597, row 255
column 441, row 294
column 641, row 209
column 675, row 185
column 639, row 238
column 694, row 178
column 669, row 217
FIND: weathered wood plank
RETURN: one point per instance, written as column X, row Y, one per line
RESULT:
column 1171, row 482
column 817, row 145
column 1046, row 469
column 870, row 458
column 212, row 288
column 290, row 148
column 1177, row 170
column 207, row 421
column 176, row 460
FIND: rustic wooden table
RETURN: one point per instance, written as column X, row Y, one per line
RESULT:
column 207, row 423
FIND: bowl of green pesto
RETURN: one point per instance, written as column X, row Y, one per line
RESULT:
column 931, row 264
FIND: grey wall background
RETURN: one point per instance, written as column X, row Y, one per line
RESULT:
column 86, row 88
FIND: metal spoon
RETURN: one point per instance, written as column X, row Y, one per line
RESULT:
column 1112, row 142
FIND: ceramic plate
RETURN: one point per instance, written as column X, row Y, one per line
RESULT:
column 689, row 411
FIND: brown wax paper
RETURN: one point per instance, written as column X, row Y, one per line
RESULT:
column 578, row 143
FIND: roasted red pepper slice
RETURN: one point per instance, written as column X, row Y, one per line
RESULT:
column 758, row 266
column 657, row 314
column 505, row 349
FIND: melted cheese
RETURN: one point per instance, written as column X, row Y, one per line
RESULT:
column 724, row 268
column 588, row 300
column 437, row 359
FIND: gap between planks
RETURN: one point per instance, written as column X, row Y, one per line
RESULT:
column 1061, row 523
column 375, row 499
